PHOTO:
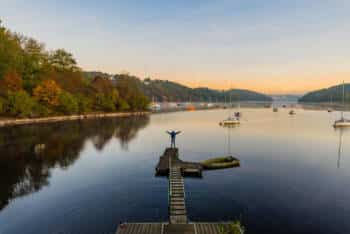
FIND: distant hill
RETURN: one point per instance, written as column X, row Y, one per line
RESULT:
column 164, row 90
column 334, row 93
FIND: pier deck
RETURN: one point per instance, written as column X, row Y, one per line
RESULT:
column 163, row 228
column 170, row 165
column 186, row 168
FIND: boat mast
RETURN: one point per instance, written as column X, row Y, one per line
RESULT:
column 342, row 112
column 230, row 109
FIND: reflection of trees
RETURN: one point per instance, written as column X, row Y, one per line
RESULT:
column 23, row 171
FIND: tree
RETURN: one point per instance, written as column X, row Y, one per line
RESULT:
column 102, row 85
column 104, row 102
column 84, row 103
column 35, row 61
column 10, row 52
column 68, row 103
column 11, row 82
column 20, row 104
column 129, row 89
column 68, row 80
column 62, row 60
column 122, row 105
column 2, row 105
column 48, row 93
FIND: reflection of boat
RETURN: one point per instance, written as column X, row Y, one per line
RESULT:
column 292, row 112
column 340, row 146
column 330, row 109
column 342, row 122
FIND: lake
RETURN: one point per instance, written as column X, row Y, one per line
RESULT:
column 92, row 174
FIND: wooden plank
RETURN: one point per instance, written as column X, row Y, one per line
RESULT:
column 140, row 228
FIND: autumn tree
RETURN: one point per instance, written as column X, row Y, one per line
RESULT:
column 48, row 93
column 72, row 82
column 11, row 82
column 102, row 85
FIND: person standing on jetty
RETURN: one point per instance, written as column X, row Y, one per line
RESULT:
column 173, row 136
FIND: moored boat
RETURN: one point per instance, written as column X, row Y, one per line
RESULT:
column 342, row 122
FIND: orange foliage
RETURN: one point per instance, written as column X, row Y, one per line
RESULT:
column 11, row 82
column 48, row 92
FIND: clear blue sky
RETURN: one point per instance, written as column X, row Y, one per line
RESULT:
column 266, row 45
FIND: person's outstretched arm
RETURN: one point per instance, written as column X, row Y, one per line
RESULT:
column 168, row 132
column 178, row 132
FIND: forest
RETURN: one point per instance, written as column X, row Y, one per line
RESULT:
column 35, row 82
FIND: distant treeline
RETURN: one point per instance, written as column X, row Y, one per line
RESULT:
column 170, row 91
column 35, row 82
column 332, row 94
column 164, row 90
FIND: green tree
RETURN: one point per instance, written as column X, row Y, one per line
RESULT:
column 84, row 103
column 20, row 104
column 122, row 105
column 68, row 104
column 35, row 61
column 104, row 102
column 2, row 105
column 62, row 60
column 11, row 56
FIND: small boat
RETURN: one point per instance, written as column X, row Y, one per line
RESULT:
column 220, row 163
column 342, row 122
column 230, row 121
column 292, row 112
column 284, row 106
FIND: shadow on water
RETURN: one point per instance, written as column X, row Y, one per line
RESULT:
column 25, row 169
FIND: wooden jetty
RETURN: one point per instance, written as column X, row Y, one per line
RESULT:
column 170, row 165
column 186, row 168
column 165, row 228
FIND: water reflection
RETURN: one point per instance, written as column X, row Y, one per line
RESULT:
column 340, row 144
column 28, row 153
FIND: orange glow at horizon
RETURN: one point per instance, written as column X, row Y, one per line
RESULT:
column 299, row 84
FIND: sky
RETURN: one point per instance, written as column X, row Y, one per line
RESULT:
column 270, row 46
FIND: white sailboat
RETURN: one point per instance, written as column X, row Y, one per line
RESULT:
column 232, row 119
column 342, row 122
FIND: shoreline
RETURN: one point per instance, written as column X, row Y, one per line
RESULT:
column 53, row 119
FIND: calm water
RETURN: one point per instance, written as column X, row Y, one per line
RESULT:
column 94, row 174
